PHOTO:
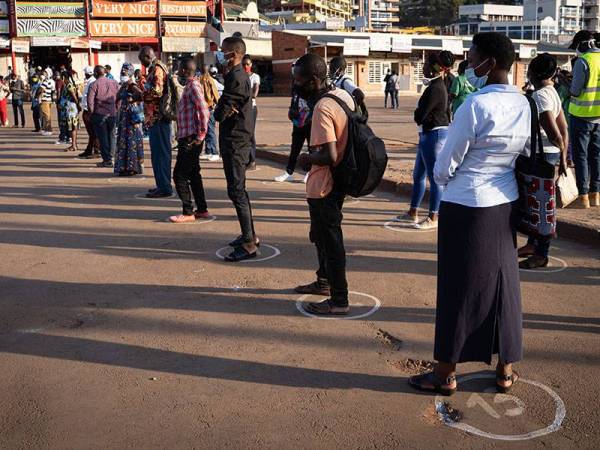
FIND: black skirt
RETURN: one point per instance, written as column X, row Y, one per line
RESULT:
column 478, row 311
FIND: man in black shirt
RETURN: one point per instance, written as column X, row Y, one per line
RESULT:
column 234, row 113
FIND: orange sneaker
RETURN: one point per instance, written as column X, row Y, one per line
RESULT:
column 182, row 218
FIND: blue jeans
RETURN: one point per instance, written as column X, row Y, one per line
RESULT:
column 211, row 136
column 160, row 148
column 585, row 139
column 542, row 244
column 104, row 127
column 430, row 144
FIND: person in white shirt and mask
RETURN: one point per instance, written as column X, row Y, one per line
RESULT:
column 478, row 311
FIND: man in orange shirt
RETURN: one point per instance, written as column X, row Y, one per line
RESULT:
column 328, row 139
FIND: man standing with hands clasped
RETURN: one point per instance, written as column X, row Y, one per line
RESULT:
column 234, row 113
column 192, row 125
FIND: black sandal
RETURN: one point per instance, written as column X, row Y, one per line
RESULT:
column 326, row 308
column 436, row 382
column 534, row 262
column 513, row 378
column 240, row 240
column 240, row 254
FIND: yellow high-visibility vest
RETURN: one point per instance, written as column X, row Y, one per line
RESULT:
column 587, row 104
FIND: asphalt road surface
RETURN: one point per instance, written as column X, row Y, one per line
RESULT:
column 120, row 330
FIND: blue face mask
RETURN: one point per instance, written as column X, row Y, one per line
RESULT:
column 221, row 58
column 476, row 81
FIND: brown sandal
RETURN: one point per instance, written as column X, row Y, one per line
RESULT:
column 437, row 384
column 513, row 378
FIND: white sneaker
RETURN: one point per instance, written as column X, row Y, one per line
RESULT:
column 60, row 143
column 407, row 218
column 305, row 179
column 214, row 158
column 284, row 177
column 204, row 157
column 46, row 133
column 427, row 224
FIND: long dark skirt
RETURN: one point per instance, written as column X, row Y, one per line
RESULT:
column 478, row 310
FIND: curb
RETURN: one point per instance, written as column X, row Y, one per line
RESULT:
column 573, row 231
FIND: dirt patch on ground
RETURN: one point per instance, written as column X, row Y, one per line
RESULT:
column 412, row 366
column 389, row 340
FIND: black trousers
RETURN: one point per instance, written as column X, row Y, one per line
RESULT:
column 37, row 117
column 234, row 165
column 186, row 176
column 254, row 119
column 299, row 136
column 326, row 233
column 18, row 110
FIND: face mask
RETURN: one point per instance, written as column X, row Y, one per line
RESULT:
column 248, row 69
column 304, row 90
column 124, row 79
column 221, row 59
column 182, row 80
column 476, row 81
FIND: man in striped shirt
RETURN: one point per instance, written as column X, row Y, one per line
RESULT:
column 48, row 87
column 192, row 125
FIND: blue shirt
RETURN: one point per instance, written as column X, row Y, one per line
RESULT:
column 476, row 166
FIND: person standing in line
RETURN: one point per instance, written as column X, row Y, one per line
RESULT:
column 299, row 114
column 192, row 126
column 159, row 128
column 255, row 86
column 102, row 100
column 460, row 88
column 555, row 139
column 4, row 93
column 211, row 95
column 93, row 146
column 69, row 103
column 129, row 158
column 386, row 90
column 214, row 72
column 48, row 89
column 234, row 113
column 478, row 311
column 17, row 89
column 584, row 110
column 36, row 93
column 59, row 84
column 432, row 118
column 107, row 70
column 328, row 140
column 338, row 76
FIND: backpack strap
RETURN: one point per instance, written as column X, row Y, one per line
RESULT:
column 342, row 103
column 536, row 133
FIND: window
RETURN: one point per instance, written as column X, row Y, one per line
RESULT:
column 418, row 71
column 350, row 70
column 377, row 71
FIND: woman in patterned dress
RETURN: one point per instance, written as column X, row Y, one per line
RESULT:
column 130, row 147
column 69, row 107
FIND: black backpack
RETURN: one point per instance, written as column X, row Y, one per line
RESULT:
column 167, row 106
column 362, row 167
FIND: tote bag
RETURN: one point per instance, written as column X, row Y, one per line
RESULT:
column 536, row 209
column 566, row 189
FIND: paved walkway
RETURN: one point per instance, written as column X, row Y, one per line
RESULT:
column 119, row 330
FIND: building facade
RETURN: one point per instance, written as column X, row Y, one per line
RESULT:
column 380, row 15
column 315, row 10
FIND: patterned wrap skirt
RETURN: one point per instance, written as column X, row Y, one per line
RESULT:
column 478, row 311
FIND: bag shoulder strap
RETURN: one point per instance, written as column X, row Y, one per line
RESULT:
column 342, row 103
column 536, row 132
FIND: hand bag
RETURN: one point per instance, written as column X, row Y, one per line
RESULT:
column 536, row 209
column 566, row 189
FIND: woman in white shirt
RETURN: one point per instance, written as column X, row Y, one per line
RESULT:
column 255, row 87
column 478, row 310
column 555, row 138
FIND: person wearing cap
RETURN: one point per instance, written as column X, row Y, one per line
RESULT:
column 93, row 147
column 584, row 110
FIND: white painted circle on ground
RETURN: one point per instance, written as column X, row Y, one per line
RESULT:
column 126, row 180
column 195, row 222
column 351, row 201
column 404, row 227
column 558, row 266
column 373, row 310
column 554, row 426
column 276, row 252
column 143, row 197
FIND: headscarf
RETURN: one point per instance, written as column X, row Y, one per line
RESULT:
column 128, row 69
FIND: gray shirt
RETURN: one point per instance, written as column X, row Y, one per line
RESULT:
column 581, row 75
column 17, row 88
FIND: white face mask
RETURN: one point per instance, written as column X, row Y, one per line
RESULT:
column 476, row 81
column 125, row 79
column 427, row 81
